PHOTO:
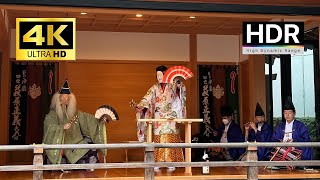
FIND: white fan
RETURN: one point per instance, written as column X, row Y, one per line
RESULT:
column 107, row 110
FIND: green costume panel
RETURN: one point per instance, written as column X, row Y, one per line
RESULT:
column 87, row 125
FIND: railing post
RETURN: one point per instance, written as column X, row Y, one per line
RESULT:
column 252, row 171
column 149, row 158
column 38, row 160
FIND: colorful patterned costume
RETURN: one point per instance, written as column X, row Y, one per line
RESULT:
column 162, row 101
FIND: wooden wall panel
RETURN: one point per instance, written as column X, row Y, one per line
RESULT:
column 259, row 85
column 96, row 83
column 253, row 87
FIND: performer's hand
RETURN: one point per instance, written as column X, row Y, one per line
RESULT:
column 247, row 126
column 67, row 126
column 170, row 119
column 289, row 140
column 253, row 126
column 141, row 109
column 138, row 109
column 104, row 118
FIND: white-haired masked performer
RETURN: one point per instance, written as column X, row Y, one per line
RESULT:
column 164, row 101
column 60, row 128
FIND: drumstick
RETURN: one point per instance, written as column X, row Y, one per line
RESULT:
column 274, row 155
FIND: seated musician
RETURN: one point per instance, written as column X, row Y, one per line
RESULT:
column 65, row 124
column 293, row 130
column 229, row 131
column 259, row 131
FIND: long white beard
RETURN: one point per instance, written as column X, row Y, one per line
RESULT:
column 70, row 109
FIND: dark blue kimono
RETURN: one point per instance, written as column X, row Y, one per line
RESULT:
column 264, row 135
column 234, row 134
column 299, row 134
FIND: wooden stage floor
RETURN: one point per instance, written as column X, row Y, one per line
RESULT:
column 178, row 174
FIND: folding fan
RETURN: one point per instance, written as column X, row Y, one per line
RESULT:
column 176, row 71
column 107, row 110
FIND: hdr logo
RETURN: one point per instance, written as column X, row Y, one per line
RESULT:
column 45, row 39
column 273, row 38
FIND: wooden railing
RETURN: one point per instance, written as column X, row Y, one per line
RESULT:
column 252, row 164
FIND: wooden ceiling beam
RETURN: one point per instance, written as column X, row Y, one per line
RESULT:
column 173, row 22
column 157, row 30
column 242, row 6
column 94, row 21
column 124, row 17
column 146, row 23
column 158, row 12
column 311, row 24
column 195, row 26
column 255, row 2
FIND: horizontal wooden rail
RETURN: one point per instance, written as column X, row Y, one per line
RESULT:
column 158, row 164
column 155, row 145
column 251, row 162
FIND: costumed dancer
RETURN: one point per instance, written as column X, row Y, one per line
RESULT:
column 65, row 124
column 163, row 101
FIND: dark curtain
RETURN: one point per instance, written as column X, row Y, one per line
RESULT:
column 232, row 93
column 34, row 96
column 18, row 105
column 206, row 101
column 48, row 90
column 218, row 86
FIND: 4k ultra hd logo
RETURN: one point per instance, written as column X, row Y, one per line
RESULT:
column 273, row 38
column 45, row 39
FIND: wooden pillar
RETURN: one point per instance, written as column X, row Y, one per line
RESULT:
column 38, row 160
column 244, row 92
column 251, row 87
column 319, row 39
column 188, row 170
column 242, row 81
column 192, row 92
column 149, row 133
column 5, row 92
column 252, row 172
column 149, row 158
column 193, row 98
